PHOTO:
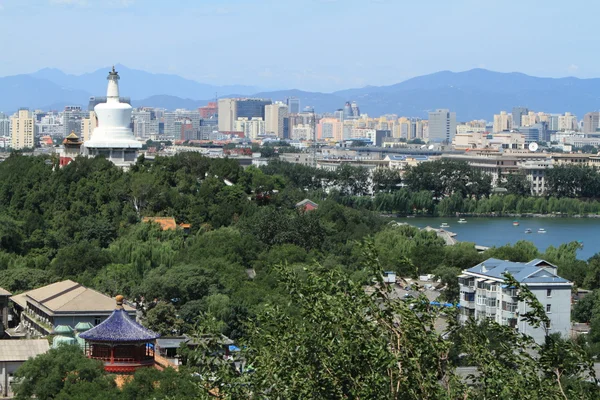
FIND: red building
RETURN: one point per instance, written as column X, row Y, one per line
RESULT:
column 208, row 111
column 121, row 343
column 71, row 149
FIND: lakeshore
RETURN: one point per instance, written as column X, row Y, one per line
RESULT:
column 499, row 231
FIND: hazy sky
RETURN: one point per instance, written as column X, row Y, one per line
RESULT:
column 319, row 45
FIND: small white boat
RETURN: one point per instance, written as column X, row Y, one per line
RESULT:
column 515, row 223
column 541, row 230
column 462, row 221
column 527, row 230
column 444, row 225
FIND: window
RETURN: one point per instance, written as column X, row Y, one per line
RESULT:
column 97, row 320
column 548, row 308
column 481, row 300
column 548, row 292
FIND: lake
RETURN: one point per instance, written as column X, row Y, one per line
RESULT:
column 500, row 231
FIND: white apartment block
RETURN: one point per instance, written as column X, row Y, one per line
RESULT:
column 484, row 294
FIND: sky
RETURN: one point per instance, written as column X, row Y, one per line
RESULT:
column 316, row 45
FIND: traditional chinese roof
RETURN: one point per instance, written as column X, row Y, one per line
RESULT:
column 60, row 340
column 166, row 223
column 307, row 203
column 64, row 330
column 119, row 327
column 83, row 326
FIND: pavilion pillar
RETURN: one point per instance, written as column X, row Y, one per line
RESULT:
column 112, row 354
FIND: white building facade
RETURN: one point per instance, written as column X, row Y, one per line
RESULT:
column 484, row 294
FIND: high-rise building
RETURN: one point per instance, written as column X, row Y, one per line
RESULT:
column 355, row 109
column 22, row 129
column 442, row 126
column 252, row 128
column 517, row 113
column 348, row 110
column 4, row 125
column 567, row 122
column 502, row 122
column 172, row 129
column 252, row 108
column 209, row 111
column 227, row 110
column 275, row 115
column 72, row 116
column 88, row 125
column 330, row 129
column 529, row 119
column 591, row 122
column 339, row 115
column 293, row 104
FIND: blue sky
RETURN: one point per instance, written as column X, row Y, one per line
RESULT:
column 319, row 45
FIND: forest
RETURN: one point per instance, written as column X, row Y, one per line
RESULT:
column 287, row 285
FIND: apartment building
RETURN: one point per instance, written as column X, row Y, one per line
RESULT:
column 484, row 294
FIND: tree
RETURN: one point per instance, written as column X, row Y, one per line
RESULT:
column 584, row 309
column 163, row 319
column 64, row 369
column 518, row 184
column 386, row 180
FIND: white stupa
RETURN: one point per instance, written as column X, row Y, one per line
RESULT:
column 113, row 138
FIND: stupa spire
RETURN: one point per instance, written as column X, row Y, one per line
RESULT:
column 112, row 92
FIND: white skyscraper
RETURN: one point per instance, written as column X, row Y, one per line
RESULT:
column 113, row 138
column 275, row 115
column 442, row 126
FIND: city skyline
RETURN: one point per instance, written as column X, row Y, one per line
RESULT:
column 431, row 35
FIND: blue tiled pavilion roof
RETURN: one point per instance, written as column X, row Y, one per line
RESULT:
column 119, row 327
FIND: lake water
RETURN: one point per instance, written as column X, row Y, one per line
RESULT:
column 500, row 231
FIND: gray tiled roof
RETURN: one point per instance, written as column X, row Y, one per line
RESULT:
column 524, row 273
column 22, row 350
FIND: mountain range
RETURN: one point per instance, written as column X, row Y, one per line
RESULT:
column 473, row 94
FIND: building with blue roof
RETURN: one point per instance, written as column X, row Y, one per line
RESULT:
column 484, row 294
column 120, row 342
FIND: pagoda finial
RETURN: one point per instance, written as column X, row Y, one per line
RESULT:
column 119, row 300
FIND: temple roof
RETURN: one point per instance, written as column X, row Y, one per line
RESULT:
column 119, row 327
column 166, row 223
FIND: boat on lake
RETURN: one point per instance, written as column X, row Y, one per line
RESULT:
column 444, row 225
column 462, row 221
column 541, row 230
column 515, row 223
column 527, row 230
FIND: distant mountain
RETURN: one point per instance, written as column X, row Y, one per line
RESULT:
column 168, row 102
column 478, row 93
column 473, row 94
column 138, row 84
column 26, row 91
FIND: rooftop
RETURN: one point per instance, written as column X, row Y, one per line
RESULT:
column 4, row 292
column 306, row 202
column 22, row 350
column 166, row 223
column 534, row 271
column 68, row 297
column 119, row 327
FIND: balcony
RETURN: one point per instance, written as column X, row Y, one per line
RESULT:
column 39, row 323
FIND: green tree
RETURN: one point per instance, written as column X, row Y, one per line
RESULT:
column 163, row 319
column 66, row 370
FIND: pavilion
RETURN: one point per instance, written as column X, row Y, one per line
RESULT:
column 121, row 343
